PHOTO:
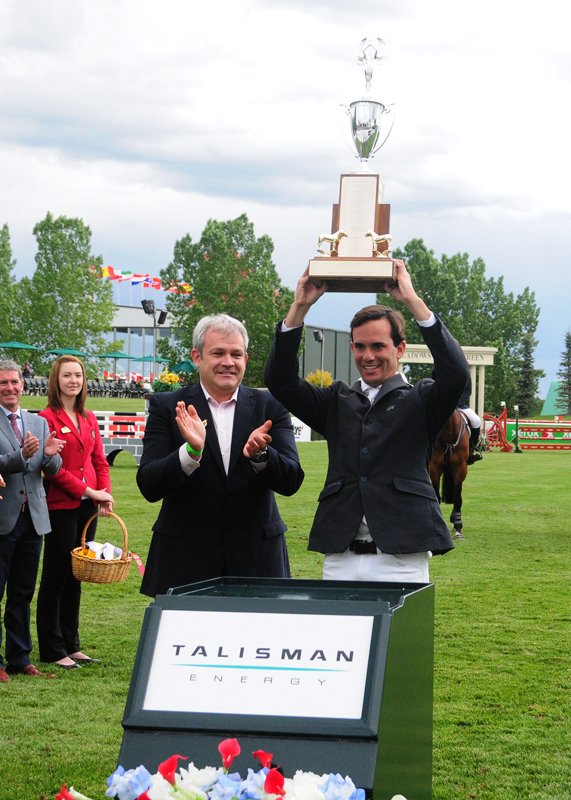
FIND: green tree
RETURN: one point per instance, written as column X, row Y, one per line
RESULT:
column 564, row 375
column 476, row 309
column 9, row 287
column 66, row 303
column 528, row 380
column 230, row 271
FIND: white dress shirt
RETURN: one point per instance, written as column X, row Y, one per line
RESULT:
column 223, row 418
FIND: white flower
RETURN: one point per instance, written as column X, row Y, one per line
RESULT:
column 198, row 780
column 77, row 795
column 160, row 789
column 304, row 786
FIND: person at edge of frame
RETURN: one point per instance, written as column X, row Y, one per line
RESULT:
column 27, row 451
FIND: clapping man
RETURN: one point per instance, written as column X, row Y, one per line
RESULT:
column 214, row 454
column 26, row 450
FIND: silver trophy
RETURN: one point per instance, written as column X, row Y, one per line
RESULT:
column 358, row 258
column 370, row 120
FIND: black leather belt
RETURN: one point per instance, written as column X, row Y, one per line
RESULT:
column 362, row 548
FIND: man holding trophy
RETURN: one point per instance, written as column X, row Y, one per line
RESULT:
column 378, row 517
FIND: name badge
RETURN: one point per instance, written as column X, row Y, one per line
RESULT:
column 66, row 430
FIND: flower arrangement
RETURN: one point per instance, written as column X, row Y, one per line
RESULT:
column 166, row 382
column 212, row 783
column 319, row 377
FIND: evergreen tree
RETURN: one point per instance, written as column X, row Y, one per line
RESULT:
column 564, row 375
column 528, row 380
column 231, row 272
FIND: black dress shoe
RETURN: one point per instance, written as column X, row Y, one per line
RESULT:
column 88, row 660
column 68, row 666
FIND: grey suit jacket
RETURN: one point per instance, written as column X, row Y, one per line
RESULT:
column 24, row 479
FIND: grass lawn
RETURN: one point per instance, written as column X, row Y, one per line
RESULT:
column 117, row 404
column 502, row 675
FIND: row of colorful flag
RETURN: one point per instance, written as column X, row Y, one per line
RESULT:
column 139, row 279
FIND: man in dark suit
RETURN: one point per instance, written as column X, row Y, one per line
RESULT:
column 378, row 516
column 214, row 453
column 26, row 450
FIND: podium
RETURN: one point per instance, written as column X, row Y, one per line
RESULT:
column 331, row 676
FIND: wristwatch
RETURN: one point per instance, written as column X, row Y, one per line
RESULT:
column 261, row 456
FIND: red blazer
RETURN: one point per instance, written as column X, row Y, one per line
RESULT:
column 83, row 458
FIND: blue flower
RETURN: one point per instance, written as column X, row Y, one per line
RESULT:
column 253, row 785
column 128, row 785
column 337, row 787
column 226, row 787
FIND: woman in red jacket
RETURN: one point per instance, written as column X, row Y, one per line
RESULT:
column 82, row 485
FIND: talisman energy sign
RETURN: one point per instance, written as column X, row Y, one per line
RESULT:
column 291, row 665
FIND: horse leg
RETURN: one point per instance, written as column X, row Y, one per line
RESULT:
column 456, row 515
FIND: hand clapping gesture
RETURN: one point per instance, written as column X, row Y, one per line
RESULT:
column 258, row 440
column 52, row 447
column 192, row 428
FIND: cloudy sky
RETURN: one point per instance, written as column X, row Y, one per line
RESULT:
column 148, row 118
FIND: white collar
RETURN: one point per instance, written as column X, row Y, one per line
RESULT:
column 214, row 400
column 8, row 413
column 374, row 389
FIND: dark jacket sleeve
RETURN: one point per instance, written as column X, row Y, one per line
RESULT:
column 283, row 473
column 160, row 472
column 451, row 373
column 309, row 403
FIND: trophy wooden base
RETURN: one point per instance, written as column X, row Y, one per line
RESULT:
column 344, row 274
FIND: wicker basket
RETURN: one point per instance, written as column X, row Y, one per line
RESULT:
column 94, row 570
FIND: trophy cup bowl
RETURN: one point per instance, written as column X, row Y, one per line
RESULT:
column 371, row 123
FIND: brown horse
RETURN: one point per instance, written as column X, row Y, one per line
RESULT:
column 449, row 464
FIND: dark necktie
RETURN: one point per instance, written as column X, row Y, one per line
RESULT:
column 16, row 428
